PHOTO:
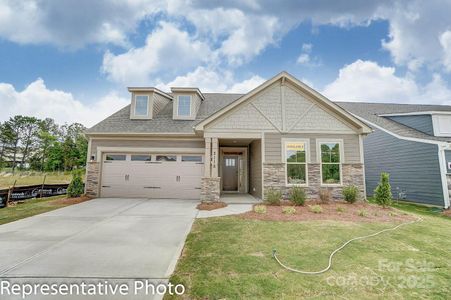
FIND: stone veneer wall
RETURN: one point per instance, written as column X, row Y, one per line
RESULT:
column 274, row 178
column 210, row 189
column 92, row 179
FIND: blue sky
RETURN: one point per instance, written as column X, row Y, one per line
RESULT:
column 72, row 60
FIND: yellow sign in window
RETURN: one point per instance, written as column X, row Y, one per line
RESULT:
column 296, row 147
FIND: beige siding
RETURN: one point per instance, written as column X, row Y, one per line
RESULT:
column 159, row 103
column 282, row 108
column 273, row 145
column 145, row 144
column 255, row 169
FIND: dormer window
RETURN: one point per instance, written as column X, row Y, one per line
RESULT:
column 184, row 106
column 141, row 105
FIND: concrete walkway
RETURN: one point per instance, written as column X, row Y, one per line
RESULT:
column 118, row 240
column 230, row 209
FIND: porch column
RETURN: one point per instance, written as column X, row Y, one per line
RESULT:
column 214, row 157
column 210, row 189
column 207, row 163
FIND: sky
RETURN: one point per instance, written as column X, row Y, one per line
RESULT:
column 72, row 60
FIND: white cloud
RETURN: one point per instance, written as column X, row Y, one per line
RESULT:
column 73, row 23
column 304, row 58
column 368, row 82
column 445, row 41
column 209, row 80
column 39, row 101
column 167, row 49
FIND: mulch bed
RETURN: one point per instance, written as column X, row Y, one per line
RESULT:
column 447, row 213
column 69, row 201
column 338, row 210
column 211, row 205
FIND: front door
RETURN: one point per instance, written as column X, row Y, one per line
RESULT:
column 230, row 173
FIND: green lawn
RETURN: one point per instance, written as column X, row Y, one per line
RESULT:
column 30, row 208
column 230, row 258
column 30, row 178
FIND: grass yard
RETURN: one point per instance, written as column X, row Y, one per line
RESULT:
column 30, row 178
column 230, row 258
column 32, row 207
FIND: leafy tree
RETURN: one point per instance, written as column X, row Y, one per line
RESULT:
column 382, row 193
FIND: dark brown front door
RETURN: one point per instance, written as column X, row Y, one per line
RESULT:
column 230, row 173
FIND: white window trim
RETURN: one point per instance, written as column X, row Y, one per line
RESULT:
column 134, row 108
column 307, row 159
column 318, row 159
column 190, row 106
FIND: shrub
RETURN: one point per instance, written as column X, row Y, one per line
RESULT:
column 75, row 188
column 350, row 193
column 260, row 209
column 316, row 209
column 362, row 213
column 273, row 197
column 325, row 195
column 288, row 210
column 382, row 193
column 297, row 195
column 341, row 209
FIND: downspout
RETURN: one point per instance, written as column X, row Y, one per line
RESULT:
column 443, row 168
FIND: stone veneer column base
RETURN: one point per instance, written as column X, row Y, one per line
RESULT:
column 210, row 189
column 92, row 179
column 274, row 178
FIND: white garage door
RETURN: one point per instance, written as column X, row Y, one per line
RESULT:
column 152, row 175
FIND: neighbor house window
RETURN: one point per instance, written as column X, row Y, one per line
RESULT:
column 330, row 162
column 184, row 105
column 296, row 162
column 141, row 105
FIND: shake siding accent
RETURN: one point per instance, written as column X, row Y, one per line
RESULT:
column 144, row 144
column 273, row 145
column 422, row 123
column 413, row 167
column 255, row 169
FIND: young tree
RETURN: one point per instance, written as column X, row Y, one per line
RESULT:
column 382, row 193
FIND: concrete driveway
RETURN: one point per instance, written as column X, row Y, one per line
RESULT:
column 117, row 240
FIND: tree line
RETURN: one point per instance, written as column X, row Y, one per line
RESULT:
column 41, row 145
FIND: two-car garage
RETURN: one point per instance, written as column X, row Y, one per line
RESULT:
column 151, row 175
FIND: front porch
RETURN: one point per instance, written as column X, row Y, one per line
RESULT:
column 233, row 170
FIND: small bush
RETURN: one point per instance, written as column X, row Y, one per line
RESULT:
column 75, row 188
column 341, row 209
column 315, row 209
column 260, row 209
column 273, row 197
column 350, row 193
column 382, row 193
column 325, row 195
column 288, row 210
column 297, row 196
column 362, row 213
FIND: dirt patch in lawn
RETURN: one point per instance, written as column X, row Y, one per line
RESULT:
column 340, row 211
column 211, row 205
column 69, row 201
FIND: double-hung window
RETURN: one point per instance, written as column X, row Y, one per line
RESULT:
column 184, row 106
column 141, row 105
column 296, row 157
column 331, row 160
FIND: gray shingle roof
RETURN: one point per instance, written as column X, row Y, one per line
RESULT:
column 120, row 121
column 372, row 111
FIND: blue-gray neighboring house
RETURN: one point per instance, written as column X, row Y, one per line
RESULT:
column 413, row 144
